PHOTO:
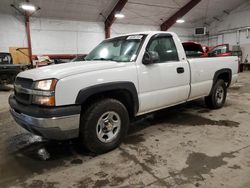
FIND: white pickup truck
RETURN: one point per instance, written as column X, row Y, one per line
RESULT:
column 121, row 78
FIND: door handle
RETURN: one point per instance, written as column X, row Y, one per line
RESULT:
column 180, row 70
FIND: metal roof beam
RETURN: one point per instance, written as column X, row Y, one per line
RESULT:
column 111, row 18
column 179, row 14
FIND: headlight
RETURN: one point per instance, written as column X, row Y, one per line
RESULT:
column 44, row 92
column 46, row 85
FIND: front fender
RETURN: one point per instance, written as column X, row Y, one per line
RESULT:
column 85, row 93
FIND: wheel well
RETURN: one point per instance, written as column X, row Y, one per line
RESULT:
column 226, row 77
column 121, row 95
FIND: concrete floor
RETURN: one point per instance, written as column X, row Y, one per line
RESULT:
column 186, row 146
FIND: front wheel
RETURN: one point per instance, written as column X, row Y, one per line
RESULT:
column 218, row 95
column 103, row 125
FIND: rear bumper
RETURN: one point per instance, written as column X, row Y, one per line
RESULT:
column 52, row 126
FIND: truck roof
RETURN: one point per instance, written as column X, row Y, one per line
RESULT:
column 147, row 33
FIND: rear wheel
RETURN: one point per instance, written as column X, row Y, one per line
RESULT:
column 218, row 95
column 103, row 125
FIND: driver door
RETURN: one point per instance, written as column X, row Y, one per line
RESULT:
column 165, row 82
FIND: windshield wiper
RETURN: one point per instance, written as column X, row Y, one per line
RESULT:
column 102, row 59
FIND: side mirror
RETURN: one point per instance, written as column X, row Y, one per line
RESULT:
column 150, row 57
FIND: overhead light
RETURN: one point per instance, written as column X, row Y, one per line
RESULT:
column 119, row 15
column 28, row 7
column 180, row 21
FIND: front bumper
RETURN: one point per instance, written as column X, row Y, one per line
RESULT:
column 54, row 126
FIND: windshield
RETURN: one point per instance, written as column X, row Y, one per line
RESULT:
column 121, row 49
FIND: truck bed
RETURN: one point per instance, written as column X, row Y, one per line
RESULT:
column 203, row 70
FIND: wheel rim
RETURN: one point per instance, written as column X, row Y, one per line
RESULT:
column 108, row 126
column 219, row 94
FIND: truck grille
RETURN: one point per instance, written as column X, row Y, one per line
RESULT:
column 24, row 82
column 20, row 96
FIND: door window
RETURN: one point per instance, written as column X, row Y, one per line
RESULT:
column 165, row 47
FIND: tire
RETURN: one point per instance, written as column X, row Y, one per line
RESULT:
column 103, row 125
column 218, row 95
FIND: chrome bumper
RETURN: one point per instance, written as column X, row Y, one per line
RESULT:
column 56, row 128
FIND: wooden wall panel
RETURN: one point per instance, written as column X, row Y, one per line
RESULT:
column 20, row 55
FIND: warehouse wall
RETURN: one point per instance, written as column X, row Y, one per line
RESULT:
column 224, row 31
column 61, row 36
column 64, row 36
column 12, row 32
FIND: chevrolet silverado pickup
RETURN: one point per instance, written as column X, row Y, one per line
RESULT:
column 121, row 78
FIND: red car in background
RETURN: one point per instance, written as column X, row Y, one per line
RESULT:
column 218, row 51
column 194, row 49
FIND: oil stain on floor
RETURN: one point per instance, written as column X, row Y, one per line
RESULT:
column 22, row 153
column 200, row 164
column 183, row 118
column 171, row 118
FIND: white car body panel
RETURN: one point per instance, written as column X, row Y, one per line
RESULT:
column 74, row 83
column 68, row 69
column 158, row 85
column 203, row 70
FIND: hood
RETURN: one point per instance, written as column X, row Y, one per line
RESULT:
column 67, row 69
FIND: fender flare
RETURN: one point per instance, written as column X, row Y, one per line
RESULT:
column 221, row 71
column 85, row 93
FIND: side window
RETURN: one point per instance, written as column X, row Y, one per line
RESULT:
column 219, row 50
column 5, row 59
column 165, row 47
